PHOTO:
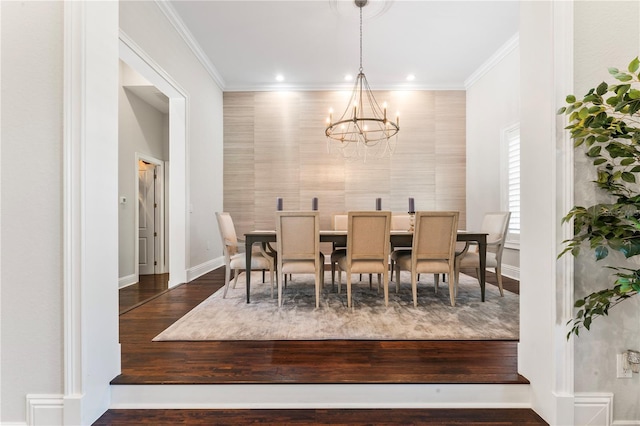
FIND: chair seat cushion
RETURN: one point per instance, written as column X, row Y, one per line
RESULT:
column 435, row 266
column 301, row 266
column 337, row 254
column 399, row 253
column 363, row 266
column 472, row 260
column 238, row 261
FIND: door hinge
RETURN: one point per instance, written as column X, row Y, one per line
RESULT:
column 155, row 234
column 155, row 263
column 155, row 205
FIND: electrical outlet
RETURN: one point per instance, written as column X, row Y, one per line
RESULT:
column 621, row 373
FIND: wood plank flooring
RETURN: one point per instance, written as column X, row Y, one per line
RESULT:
column 147, row 288
column 339, row 361
column 467, row 417
column 146, row 362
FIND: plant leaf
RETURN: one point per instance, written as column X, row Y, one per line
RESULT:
column 601, row 252
column 634, row 65
column 602, row 88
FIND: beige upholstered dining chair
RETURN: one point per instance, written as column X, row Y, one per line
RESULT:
column 496, row 225
column 234, row 256
column 432, row 250
column 298, row 247
column 367, row 249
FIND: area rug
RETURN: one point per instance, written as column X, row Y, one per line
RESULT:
column 368, row 318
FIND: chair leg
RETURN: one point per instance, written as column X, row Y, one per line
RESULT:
column 280, row 279
column 318, row 275
column 263, row 272
column 457, row 279
column 414, row 289
column 227, row 278
column 348, row 290
column 499, row 277
column 339, row 280
column 397, row 278
column 236, row 274
column 452, row 291
column 436, row 280
column 370, row 281
column 271, row 280
column 385, row 277
column 333, row 275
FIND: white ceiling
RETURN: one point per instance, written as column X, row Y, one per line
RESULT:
column 315, row 43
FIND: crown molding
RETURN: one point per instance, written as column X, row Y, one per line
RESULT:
column 494, row 60
column 191, row 42
column 336, row 87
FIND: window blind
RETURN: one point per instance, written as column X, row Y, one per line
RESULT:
column 513, row 181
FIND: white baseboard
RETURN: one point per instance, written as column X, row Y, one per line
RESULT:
column 127, row 280
column 512, row 272
column 335, row 396
column 203, row 268
column 625, row 422
column 45, row 410
column 594, row 409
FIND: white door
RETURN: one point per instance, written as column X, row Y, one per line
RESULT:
column 147, row 233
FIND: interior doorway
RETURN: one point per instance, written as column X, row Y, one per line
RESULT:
column 151, row 257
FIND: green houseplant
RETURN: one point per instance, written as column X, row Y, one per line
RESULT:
column 606, row 123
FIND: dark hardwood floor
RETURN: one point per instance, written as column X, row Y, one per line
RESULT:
column 337, row 361
column 467, row 417
column 147, row 362
column 147, row 288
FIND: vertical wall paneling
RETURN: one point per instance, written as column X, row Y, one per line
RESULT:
column 274, row 146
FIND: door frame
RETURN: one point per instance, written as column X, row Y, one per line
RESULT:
column 159, row 215
column 176, row 193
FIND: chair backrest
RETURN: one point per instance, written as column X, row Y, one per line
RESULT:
column 339, row 222
column 298, row 235
column 227, row 233
column 368, row 235
column 435, row 236
column 496, row 225
column 400, row 222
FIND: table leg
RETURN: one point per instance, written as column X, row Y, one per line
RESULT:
column 482, row 249
column 248, row 247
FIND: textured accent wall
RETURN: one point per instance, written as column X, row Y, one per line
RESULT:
column 274, row 146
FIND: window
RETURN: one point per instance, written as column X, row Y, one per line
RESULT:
column 511, row 180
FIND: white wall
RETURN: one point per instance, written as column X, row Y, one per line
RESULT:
column 614, row 44
column 493, row 104
column 544, row 355
column 141, row 129
column 149, row 28
column 32, row 42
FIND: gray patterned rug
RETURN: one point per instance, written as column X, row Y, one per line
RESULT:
column 368, row 319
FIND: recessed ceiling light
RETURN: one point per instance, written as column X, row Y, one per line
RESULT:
column 279, row 77
column 411, row 77
column 348, row 77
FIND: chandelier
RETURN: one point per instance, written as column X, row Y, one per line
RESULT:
column 363, row 130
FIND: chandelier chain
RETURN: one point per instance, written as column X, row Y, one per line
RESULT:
column 361, row 39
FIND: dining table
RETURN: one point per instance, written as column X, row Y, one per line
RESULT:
column 339, row 238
